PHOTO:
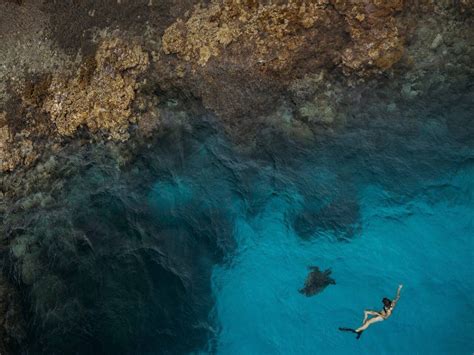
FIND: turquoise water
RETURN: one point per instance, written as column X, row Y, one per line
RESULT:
column 199, row 246
column 426, row 245
column 396, row 216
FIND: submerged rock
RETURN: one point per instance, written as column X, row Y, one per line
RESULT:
column 253, row 51
column 12, row 321
column 240, row 59
column 340, row 218
column 100, row 96
column 280, row 37
column 316, row 281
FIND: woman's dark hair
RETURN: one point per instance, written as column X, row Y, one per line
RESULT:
column 386, row 302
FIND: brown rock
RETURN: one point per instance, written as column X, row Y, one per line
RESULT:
column 240, row 56
column 376, row 41
column 277, row 36
column 14, row 152
column 467, row 6
column 265, row 36
column 100, row 96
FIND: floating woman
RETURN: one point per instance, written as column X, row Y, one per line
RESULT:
column 384, row 314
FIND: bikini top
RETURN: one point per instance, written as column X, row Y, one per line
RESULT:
column 388, row 310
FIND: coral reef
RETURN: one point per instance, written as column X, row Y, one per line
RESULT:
column 270, row 36
column 377, row 42
column 278, row 36
column 97, row 97
column 254, row 51
column 305, row 58
column 100, row 95
column 15, row 154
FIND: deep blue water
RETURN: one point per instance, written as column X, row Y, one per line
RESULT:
column 197, row 245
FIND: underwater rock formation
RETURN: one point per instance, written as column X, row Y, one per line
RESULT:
column 89, row 87
column 271, row 36
column 377, row 42
column 231, row 48
column 246, row 61
column 317, row 281
column 98, row 98
column 15, row 150
column 108, row 270
column 100, row 95
column 285, row 38
column 13, row 324
column 341, row 217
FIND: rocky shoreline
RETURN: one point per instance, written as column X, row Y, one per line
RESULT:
column 115, row 75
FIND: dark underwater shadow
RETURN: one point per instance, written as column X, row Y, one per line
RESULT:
column 103, row 271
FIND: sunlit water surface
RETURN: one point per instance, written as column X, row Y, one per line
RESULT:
column 378, row 214
column 199, row 246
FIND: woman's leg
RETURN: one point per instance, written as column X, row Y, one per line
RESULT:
column 368, row 323
column 367, row 313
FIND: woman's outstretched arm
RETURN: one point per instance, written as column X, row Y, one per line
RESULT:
column 398, row 294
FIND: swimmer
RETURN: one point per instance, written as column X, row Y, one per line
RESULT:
column 384, row 314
